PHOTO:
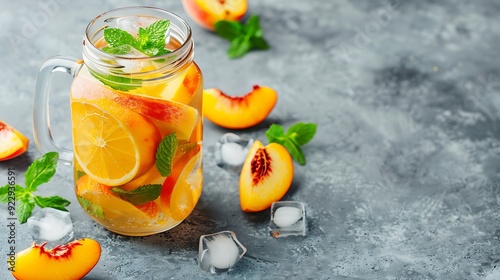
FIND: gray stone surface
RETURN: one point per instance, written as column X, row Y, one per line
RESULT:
column 402, row 178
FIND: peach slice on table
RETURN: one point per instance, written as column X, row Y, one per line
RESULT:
column 239, row 112
column 207, row 12
column 70, row 261
column 12, row 142
column 265, row 177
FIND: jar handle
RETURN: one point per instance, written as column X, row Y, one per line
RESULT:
column 41, row 118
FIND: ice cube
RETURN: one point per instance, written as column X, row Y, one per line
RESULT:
column 287, row 218
column 220, row 251
column 231, row 151
column 130, row 24
column 52, row 226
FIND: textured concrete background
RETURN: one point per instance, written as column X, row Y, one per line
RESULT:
column 402, row 178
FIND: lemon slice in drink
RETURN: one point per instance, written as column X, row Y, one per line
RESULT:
column 112, row 143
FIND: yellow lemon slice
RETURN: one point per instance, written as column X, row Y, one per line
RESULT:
column 112, row 143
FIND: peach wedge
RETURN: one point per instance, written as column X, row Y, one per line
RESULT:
column 70, row 261
column 266, row 176
column 239, row 112
column 12, row 142
column 207, row 12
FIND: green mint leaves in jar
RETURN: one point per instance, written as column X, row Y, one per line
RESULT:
column 149, row 41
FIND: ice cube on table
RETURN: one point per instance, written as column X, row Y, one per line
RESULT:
column 219, row 252
column 52, row 226
column 231, row 151
column 287, row 218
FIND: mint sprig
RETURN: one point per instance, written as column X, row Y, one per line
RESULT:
column 150, row 40
column 38, row 173
column 165, row 154
column 117, row 82
column 242, row 37
column 296, row 136
column 91, row 208
column 139, row 196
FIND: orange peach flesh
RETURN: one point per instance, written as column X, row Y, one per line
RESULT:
column 241, row 111
column 71, row 261
column 207, row 12
column 266, row 176
column 12, row 142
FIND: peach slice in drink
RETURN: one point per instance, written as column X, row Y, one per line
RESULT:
column 191, row 82
column 182, row 189
column 167, row 116
column 114, row 208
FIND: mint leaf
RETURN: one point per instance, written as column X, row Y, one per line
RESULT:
column 295, row 151
column 55, row 202
column 124, row 49
column 117, row 37
column 139, row 196
column 117, row 82
column 155, row 51
column 259, row 43
column 252, row 26
column 275, row 134
column 239, row 47
column 79, row 174
column 91, row 208
column 302, row 132
column 165, row 154
column 156, row 33
column 41, row 171
column 243, row 38
column 150, row 40
column 228, row 30
column 4, row 194
column 297, row 135
column 24, row 208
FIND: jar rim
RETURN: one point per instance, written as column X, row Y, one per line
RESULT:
column 88, row 36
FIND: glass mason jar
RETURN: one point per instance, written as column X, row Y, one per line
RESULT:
column 136, row 123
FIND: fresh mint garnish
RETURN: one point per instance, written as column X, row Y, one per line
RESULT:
column 243, row 37
column 139, row 196
column 150, row 40
column 117, row 82
column 91, row 208
column 296, row 136
column 165, row 154
column 41, row 171
column 38, row 173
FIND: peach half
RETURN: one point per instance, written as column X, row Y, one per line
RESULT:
column 239, row 112
column 207, row 12
column 12, row 142
column 70, row 261
column 266, row 176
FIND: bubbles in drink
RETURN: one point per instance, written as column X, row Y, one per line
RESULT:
column 287, row 219
column 219, row 252
column 52, row 226
column 231, row 151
